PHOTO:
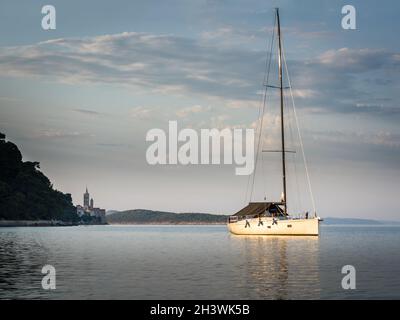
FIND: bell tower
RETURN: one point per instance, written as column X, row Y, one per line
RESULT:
column 86, row 199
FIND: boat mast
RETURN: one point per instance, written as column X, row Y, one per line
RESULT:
column 282, row 123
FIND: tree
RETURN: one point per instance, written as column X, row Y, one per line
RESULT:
column 26, row 193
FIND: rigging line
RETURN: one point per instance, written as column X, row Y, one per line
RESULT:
column 295, row 164
column 261, row 116
column 294, row 159
column 299, row 134
column 257, row 127
column 249, row 177
column 263, row 175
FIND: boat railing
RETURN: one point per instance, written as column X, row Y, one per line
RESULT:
column 233, row 219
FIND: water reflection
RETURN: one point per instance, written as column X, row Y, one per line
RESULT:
column 20, row 265
column 196, row 262
column 280, row 267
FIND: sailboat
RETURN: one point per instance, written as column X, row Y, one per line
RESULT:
column 273, row 218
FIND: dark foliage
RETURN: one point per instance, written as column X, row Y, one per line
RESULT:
column 26, row 193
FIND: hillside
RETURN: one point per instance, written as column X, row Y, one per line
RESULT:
column 142, row 216
column 352, row 221
column 26, row 193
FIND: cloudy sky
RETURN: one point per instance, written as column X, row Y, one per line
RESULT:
column 80, row 99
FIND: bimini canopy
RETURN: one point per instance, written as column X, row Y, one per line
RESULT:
column 261, row 208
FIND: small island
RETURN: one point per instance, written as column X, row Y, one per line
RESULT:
column 143, row 216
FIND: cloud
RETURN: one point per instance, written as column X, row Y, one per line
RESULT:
column 358, row 60
column 338, row 80
column 297, row 32
column 57, row 134
column 88, row 112
column 159, row 63
column 239, row 103
column 229, row 35
column 386, row 138
column 348, row 81
column 304, row 93
column 217, row 33
column 141, row 112
column 381, row 138
column 9, row 99
column 112, row 145
column 183, row 113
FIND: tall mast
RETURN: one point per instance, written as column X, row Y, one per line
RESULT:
column 282, row 123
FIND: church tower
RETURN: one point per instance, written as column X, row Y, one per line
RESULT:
column 91, row 203
column 86, row 199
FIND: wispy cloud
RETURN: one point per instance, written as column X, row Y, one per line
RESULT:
column 10, row 99
column 141, row 112
column 358, row 60
column 348, row 81
column 184, row 112
column 162, row 63
column 381, row 138
column 88, row 112
column 58, row 134
column 337, row 80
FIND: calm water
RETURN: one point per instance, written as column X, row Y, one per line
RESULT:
column 197, row 262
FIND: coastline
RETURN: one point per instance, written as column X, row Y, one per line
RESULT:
column 166, row 223
column 40, row 223
column 35, row 223
column 50, row 223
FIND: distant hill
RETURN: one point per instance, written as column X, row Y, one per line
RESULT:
column 354, row 221
column 142, row 216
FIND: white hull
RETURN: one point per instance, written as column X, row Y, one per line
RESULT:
column 295, row 227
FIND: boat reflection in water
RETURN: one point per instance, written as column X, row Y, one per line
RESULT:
column 279, row 267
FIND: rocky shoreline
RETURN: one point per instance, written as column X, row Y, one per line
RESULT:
column 169, row 223
column 41, row 223
column 35, row 223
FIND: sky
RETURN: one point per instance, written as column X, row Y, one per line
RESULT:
column 80, row 99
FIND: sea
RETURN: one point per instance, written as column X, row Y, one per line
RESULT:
column 199, row 262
